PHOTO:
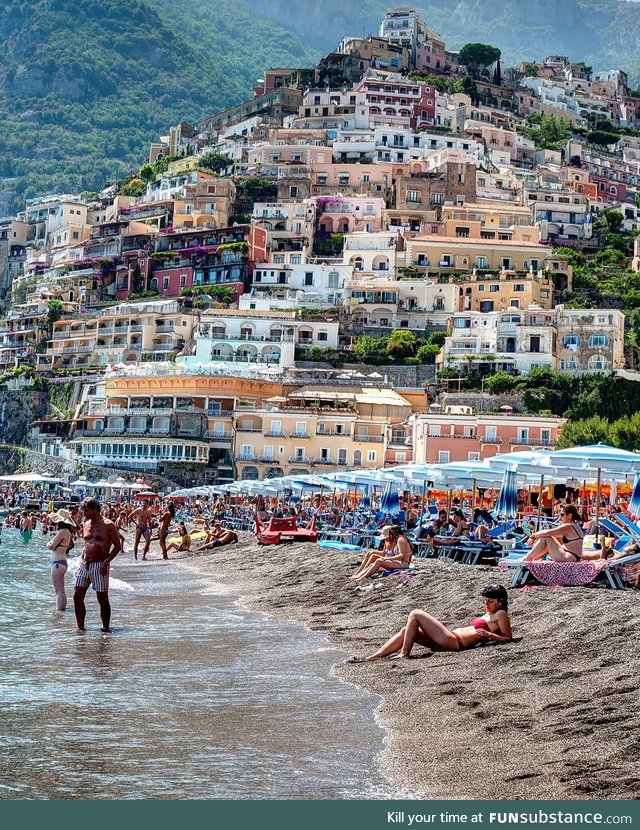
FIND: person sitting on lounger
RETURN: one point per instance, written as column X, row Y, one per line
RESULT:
column 460, row 530
column 422, row 628
column 185, row 540
column 563, row 543
column 396, row 554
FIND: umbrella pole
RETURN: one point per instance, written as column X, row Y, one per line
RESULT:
column 598, row 482
column 423, row 500
column 473, row 497
column 540, row 503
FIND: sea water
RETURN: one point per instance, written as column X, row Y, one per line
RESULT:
column 192, row 696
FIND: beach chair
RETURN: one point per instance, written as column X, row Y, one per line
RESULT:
column 631, row 526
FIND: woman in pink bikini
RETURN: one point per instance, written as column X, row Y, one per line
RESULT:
column 493, row 627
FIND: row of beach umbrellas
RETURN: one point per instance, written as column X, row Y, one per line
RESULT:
column 507, row 471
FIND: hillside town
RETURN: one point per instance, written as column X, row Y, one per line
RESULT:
column 329, row 274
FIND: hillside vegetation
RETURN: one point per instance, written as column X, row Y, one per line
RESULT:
column 84, row 86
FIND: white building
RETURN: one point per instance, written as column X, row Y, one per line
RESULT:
column 267, row 337
column 284, row 286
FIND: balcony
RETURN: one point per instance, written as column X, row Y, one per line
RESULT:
column 327, row 462
column 295, row 459
column 248, row 429
column 532, row 442
column 490, row 439
column 299, row 435
column 274, row 435
column 370, row 439
column 246, row 457
column 220, row 434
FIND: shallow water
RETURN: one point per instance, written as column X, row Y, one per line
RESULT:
column 192, row 696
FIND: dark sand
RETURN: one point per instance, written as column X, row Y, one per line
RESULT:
column 553, row 715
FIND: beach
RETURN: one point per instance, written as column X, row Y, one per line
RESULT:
column 551, row 715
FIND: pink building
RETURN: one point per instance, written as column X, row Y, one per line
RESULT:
column 443, row 437
column 400, row 99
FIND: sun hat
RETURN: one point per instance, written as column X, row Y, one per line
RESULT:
column 63, row 516
column 386, row 532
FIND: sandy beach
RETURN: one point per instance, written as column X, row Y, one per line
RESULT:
column 552, row 715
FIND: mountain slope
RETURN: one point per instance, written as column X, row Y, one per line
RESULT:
column 86, row 84
column 604, row 33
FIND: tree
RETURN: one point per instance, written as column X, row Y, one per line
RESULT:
column 614, row 219
column 592, row 430
column 478, row 56
column 216, row 162
column 54, row 312
column 401, row 343
column 147, row 172
column 625, row 432
column 572, row 257
column 500, row 382
column 368, row 346
column 133, row 187
column 428, row 353
column 437, row 338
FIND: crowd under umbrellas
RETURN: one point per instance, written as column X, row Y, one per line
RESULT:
column 497, row 483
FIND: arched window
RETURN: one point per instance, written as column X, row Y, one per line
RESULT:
column 571, row 341
column 154, row 284
column 357, row 458
column 597, row 363
column 598, row 341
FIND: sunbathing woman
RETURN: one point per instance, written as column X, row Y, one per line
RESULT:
column 218, row 536
column 562, row 543
column 185, row 540
column 493, row 627
column 396, row 555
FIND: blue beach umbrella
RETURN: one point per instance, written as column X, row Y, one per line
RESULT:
column 507, row 504
column 390, row 501
column 634, row 504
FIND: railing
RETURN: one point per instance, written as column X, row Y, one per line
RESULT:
column 218, row 434
column 300, row 460
column 248, row 429
column 488, row 439
column 299, row 435
column 372, row 439
column 531, row 442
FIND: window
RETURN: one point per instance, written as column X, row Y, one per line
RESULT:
column 301, row 428
column 357, row 458
column 371, row 456
column 333, row 279
column 299, row 453
column 308, row 278
column 473, row 456
column 293, row 191
column 276, row 427
column 183, row 280
column 493, row 289
column 571, row 341
column 325, row 454
column 342, row 456
column 437, row 198
column 545, row 437
column 598, row 341
column 597, row 363
column 295, row 259
column 322, row 336
column 165, row 283
column 443, row 456
column 490, row 433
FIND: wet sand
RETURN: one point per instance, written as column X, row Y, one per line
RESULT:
column 552, row 715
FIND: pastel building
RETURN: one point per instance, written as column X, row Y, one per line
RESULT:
column 283, row 286
column 267, row 337
column 316, row 429
column 127, row 333
column 441, row 438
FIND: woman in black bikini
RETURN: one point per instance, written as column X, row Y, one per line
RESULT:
column 562, row 543
column 493, row 627
column 59, row 546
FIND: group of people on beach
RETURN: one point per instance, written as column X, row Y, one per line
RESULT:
column 100, row 531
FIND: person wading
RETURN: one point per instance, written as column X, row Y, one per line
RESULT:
column 101, row 545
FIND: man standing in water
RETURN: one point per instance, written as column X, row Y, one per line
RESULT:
column 143, row 519
column 101, row 545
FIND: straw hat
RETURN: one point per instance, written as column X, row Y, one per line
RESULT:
column 386, row 532
column 63, row 516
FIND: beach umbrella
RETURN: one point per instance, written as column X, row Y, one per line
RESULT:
column 26, row 478
column 507, row 504
column 390, row 500
column 634, row 504
column 81, row 482
column 148, row 496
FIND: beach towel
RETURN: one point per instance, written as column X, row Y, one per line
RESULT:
column 566, row 573
column 195, row 537
column 334, row 544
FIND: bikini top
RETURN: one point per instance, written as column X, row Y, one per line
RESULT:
column 576, row 538
column 479, row 623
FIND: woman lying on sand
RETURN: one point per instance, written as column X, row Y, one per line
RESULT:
column 396, row 554
column 422, row 628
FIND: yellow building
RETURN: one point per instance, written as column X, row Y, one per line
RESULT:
column 127, row 333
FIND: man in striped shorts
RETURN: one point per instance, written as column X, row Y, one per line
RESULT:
column 101, row 545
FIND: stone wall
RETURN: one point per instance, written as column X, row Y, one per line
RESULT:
column 17, row 411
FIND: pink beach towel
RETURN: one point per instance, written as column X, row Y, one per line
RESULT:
column 566, row 573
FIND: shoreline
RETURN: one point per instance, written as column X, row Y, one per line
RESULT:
column 551, row 715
